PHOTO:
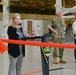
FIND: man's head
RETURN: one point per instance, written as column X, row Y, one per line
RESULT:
column 75, row 17
column 59, row 13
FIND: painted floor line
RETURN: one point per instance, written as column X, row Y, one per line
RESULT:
column 30, row 73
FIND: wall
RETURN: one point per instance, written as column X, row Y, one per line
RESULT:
column 42, row 24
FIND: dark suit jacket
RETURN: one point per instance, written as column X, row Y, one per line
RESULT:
column 14, row 49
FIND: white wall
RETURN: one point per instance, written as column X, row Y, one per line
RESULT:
column 42, row 24
column 45, row 28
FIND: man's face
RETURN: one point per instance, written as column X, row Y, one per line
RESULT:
column 59, row 14
column 75, row 17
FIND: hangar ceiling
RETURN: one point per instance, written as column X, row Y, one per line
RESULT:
column 37, row 6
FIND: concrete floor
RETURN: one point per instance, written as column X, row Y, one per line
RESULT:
column 32, row 63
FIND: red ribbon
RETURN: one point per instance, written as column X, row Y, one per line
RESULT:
column 35, row 43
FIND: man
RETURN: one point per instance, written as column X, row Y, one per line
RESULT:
column 74, row 31
column 58, row 28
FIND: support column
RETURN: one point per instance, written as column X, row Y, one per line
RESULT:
column 58, row 5
column 5, row 17
column 4, row 34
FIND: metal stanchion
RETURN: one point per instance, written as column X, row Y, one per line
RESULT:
column 45, row 60
column 45, row 53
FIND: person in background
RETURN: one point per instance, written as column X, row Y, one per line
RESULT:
column 74, row 31
column 73, row 19
column 15, row 52
column 58, row 28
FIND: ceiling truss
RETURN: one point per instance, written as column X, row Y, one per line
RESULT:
column 37, row 6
